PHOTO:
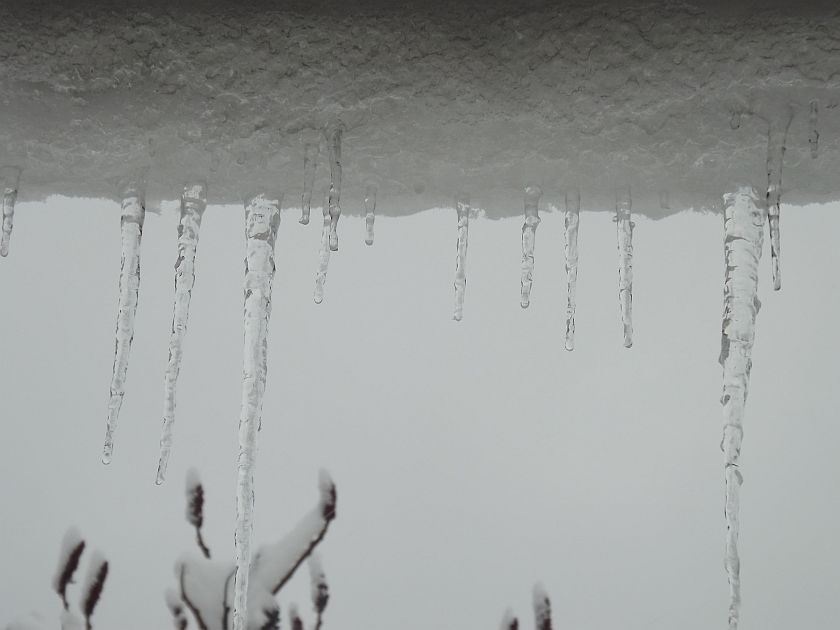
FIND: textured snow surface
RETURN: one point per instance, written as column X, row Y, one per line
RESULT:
column 436, row 97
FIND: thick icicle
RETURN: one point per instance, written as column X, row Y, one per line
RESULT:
column 529, row 234
column 323, row 254
column 776, row 144
column 571, row 223
column 193, row 203
column 370, row 209
column 310, row 163
column 814, row 135
column 743, row 240
column 462, row 207
column 10, row 176
column 262, row 218
column 131, row 227
column 624, row 231
column 333, row 135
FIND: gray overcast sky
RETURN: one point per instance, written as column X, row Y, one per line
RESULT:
column 471, row 459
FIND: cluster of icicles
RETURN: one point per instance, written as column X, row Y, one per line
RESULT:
column 745, row 215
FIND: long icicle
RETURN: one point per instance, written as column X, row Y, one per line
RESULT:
column 262, row 219
column 776, row 145
column 323, row 254
column 624, row 232
column 310, row 164
column 131, row 229
column 333, row 134
column 529, row 234
column 744, row 219
column 370, row 212
column 462, row 208
column 570, row 225
column 10, row 176
column 193, row 203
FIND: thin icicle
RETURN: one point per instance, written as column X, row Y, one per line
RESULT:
column 814, row 135
column 333, row 134
column 262, row 218
column 571, row 223
column 310, row 164
column 624, row 231
column 529, row 234
column 462, row 207
column 10, row 176
column 776, row 145
column 131, row 228
column 743, row 241
column 370, row 209
column 193, row 203
column 323, row 254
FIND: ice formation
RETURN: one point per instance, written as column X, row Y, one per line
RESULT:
column 529, row 234
column 10, row 177
column 744, row 218
column 370, row 209
column 131, row 227
column 509, row 621
column 333, row 134
column 570, row 230
column 323, row 254
column 193, row 203
column 262, row 219
column 814, row 133
column 624, row 230
column 462, row 208
column 310, row 164
column 542, row 609
column 776, row 145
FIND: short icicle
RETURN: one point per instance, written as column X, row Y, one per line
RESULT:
column 570, row 229
column 193, row 203
column 814, row 134
column 131, row 228
column 624, row 232
column 323, row 254
column 462, row 208
column 776, row 145
column 370, row 210
column 10, row 177
column 262, row 219
column 333, row 134
column 529, row 234
column 744, row 218
column 310, row 163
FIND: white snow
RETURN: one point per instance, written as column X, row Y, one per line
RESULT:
column 570, row 232
column 462, row 207
column 624, row 234
column 529, row 234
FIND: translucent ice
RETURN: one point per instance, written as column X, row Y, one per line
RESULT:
column 323, row 255
column 776, row 145
column 193, row 203
column 370, row 209
column 624, row 231
column 462, row 207
column 10, row 176
column 571, row 223
column 310, row 163
column 814, row 134
column 333, row 134
column 529, row 234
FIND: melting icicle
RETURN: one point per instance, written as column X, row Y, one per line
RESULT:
column 776, row 144
column 310, row 163
column 624, row 231
column 323, row 254
column 529, row 234
column 370, row 208
column 193, row 203
column 333, row 134
column 262, row 218
column 743, row 241
column 571, row 223
column 10, row 176
column 131, row 228
column 462, row 207
column 814, row 136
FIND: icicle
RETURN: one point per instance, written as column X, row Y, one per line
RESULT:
column 743, row 240
column 10, row 176
column 262, row 218
column 571, row 223
column 310, row 163
column 529, row 234
column 542, row 609
column 131, row 227
column 624, row 231
column 193, row 203
column 323, row 254
column 776, row 144
column 814, row 136
column 370, row 208
column 333, row 135
column 462, row 207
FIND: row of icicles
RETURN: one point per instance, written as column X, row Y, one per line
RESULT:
column 744, row 219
